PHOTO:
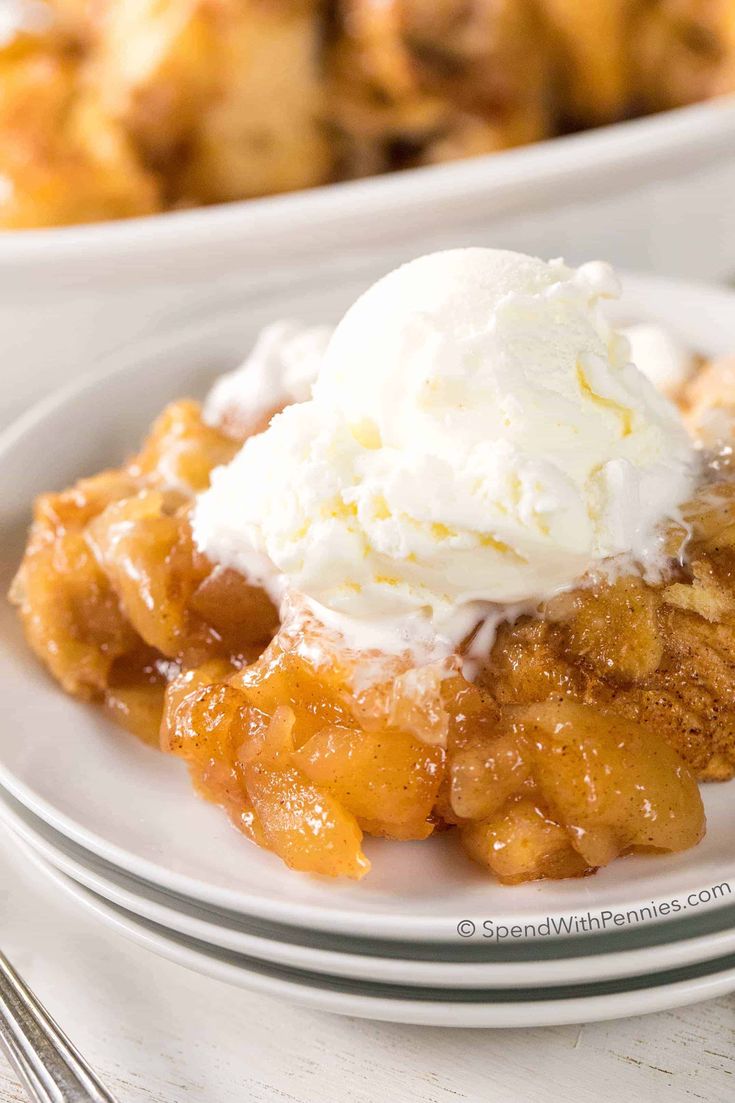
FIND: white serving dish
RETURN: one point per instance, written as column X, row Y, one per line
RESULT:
column 445, row 1006
column 652, row 193
column 74, row 770
column 543, row 965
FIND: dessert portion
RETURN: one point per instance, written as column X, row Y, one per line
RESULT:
column 479, row 577
column 116, row 109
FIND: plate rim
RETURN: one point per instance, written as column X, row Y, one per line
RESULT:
column 626, row 963
column 700, row 984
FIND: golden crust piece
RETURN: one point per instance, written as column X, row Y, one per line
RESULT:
column 62, row 159
column 592, row 45
column 682, row 51
column 413, row 83
column 223, row 96
column 265, row 130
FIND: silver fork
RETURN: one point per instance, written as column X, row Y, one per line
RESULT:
column 48, row 1065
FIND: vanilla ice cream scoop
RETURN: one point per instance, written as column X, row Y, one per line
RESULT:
column 476, row 435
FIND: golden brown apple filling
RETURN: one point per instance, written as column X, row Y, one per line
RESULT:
column 581, row 738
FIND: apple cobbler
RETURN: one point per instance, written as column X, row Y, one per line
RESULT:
column 116, row 109
column 576, row 734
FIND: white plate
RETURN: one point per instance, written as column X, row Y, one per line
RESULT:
column 371, row 961
column 445, row 1006
column 135, row 808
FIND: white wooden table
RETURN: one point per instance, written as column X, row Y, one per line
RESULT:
column 159, row 1034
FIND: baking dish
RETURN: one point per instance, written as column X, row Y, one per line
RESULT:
column 652, row 193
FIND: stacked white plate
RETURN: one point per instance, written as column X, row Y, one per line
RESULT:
column 427, row 937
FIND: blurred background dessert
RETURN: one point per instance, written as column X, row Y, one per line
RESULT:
column 117, row 108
